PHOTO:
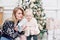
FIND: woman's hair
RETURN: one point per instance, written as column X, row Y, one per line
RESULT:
column 14, row 13
column 16, row 9
column 13, row 18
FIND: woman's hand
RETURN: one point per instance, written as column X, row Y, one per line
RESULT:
column 16, row 28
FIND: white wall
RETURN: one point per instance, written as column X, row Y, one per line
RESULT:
column 8, row 7
column 52, row 8
column 9, row 3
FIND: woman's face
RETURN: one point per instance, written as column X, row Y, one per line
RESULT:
column 19, row 15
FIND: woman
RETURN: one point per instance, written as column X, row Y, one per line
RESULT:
column 9, row 26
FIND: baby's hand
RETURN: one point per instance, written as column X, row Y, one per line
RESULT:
column 24, row 27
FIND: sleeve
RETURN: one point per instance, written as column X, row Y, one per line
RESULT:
column 36, row 27
column 35, row 22
column 20, row 24
column 8, row 26
column 5, row 27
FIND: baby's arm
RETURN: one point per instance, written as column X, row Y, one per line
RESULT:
column 21, row 25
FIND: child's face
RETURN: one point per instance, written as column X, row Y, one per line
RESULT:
column 28, row 16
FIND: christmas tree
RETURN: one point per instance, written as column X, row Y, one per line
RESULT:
column 38, row 12
column 36, row 6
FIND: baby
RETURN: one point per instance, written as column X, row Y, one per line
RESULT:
column 29, row 24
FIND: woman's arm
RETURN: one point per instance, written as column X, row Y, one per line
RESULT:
column 5, row 27
column 8, row 26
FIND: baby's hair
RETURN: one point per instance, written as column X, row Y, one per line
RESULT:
column 29, row 10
